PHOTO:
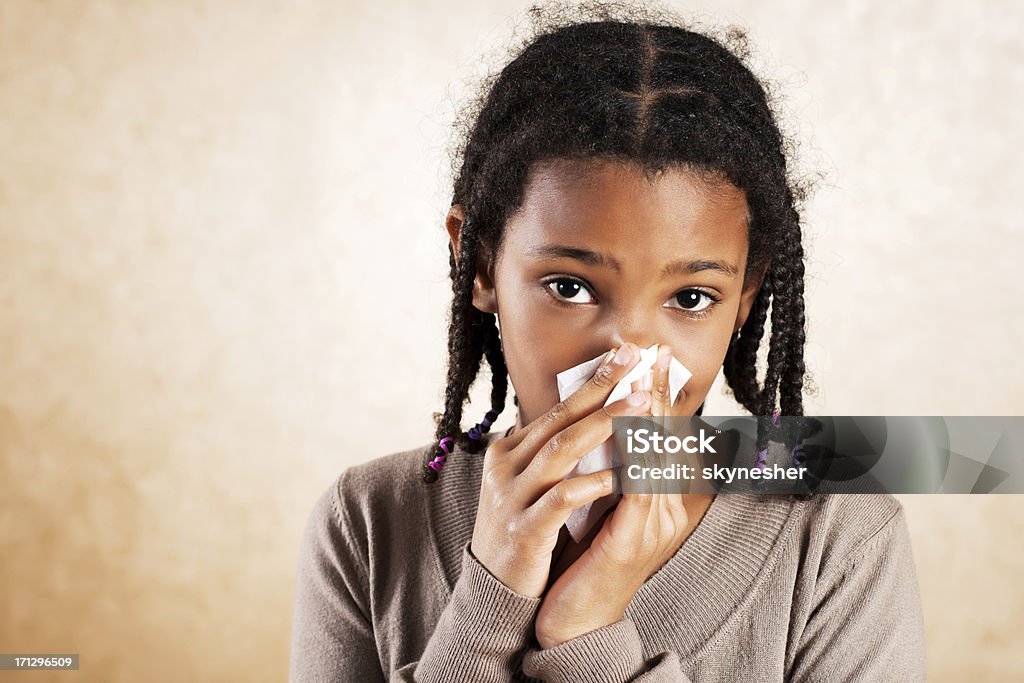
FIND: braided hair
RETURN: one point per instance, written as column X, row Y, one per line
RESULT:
column 639, row 91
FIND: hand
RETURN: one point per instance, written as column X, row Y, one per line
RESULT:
column 524, row 497
column 642, row 533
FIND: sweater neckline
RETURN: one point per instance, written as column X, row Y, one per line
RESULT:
column 685, row 605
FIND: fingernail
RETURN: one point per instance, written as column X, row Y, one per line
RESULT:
column 624, row 355
column 647, row 381
column 664, row 357
column 607, row 358
column 637, row 398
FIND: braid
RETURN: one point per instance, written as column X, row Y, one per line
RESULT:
column 499, row 379
column 740, row 365
column 784, row 377
column 777, row 348
column 792, row 380
column 472, row 334
column 792, row 375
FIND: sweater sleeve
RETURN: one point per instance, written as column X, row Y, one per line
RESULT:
column 867, row 624
column 482, row 631
column 479, row 636
column 610, row 654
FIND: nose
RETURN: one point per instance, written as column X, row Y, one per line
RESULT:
column 632, row 325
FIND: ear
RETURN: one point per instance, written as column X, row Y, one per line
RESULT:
column 485, row 298
column 749, row 295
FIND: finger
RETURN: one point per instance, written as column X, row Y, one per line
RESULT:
column 664, row 512
column 585, row 400
column 675, row 511
column 563, row 451
column 635, row 512
column 584, row 396
column 660, row 390
column 628, row 527
column 677, row 408
column 551, row 510
column 672, row 525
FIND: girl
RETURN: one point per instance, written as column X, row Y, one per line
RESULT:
column 624, row 183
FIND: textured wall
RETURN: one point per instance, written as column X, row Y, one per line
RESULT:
column 220, row 244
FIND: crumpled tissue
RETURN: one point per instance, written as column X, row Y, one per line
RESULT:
column 606, row 456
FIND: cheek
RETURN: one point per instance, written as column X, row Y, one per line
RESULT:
column 535, row 351
column 703, row 356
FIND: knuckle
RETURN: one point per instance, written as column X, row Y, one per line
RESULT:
column 491, row 460
column 561, row 442
column 555, row 444
column 604, row 377
column 540, row 461
column 493, row 478
column 558, row 413
column 497, row 448
column 559, row 496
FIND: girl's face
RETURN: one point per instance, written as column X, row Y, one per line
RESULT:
column 599, row 255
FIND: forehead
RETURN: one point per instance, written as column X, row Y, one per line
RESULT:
column 639, row 217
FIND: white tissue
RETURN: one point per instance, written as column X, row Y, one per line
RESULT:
column 605, row 456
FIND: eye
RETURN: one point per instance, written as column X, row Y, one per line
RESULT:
column 695, row 302
column 566, row 290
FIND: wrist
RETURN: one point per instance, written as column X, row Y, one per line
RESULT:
column 612, row 653
column 555, row 635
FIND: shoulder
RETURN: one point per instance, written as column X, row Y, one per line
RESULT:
column 841, row 529
column 381, row 513
column 385, row 481
column 356, row 522
column 859, row 515
column 365, row 506
column 365, row 495
column 386, row 500
column 379, row 484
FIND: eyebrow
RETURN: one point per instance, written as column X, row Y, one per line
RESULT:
column 594, row 258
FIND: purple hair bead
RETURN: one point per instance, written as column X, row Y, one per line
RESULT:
column 761, row 456
column 477, row 431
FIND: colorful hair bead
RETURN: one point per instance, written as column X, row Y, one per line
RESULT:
column 444, row 447
column 762, row 455
column 477, row 432
column 433, row 468
column 800, row 460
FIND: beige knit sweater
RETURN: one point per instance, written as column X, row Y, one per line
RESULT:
column 765, row 589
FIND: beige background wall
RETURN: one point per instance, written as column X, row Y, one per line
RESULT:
column 220, row 242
